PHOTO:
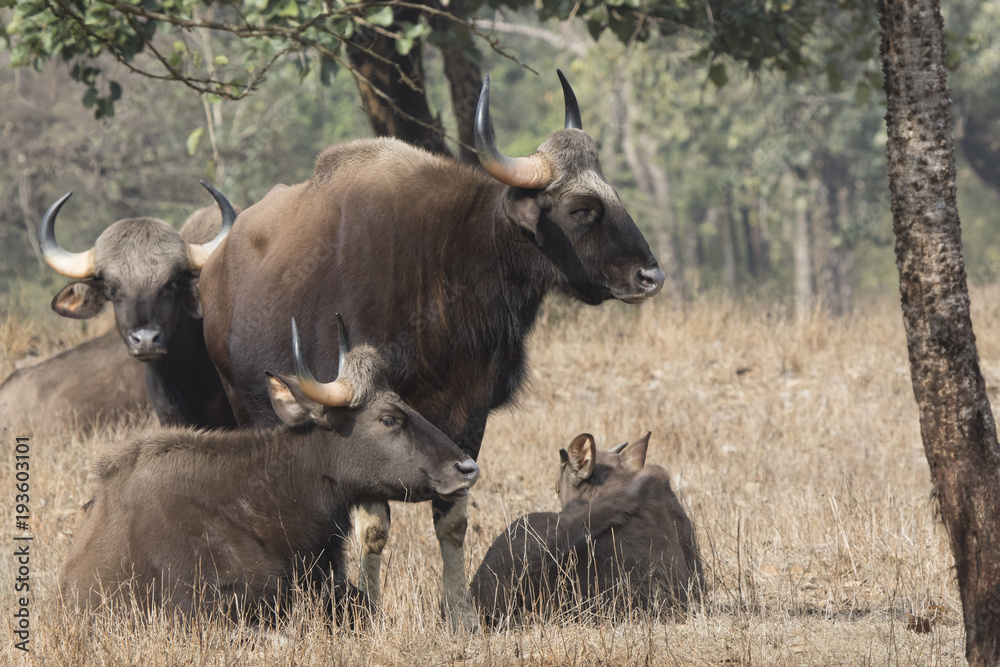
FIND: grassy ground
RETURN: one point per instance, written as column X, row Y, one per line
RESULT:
column 795, row 447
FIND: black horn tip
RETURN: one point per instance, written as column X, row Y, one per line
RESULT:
column 342, row 343
column 482, row 130
column 301, row 369
column 573, row 120
column 46, row 229
column 227, row 210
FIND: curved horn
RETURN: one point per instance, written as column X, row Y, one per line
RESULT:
column 533, row 172
column 617, row 449
column 335, row 394
column 79, row 265
column 198, row 252
column 572, row 108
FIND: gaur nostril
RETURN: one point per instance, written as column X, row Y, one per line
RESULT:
column 467, row 467
column 145, row 338
column 651, row 278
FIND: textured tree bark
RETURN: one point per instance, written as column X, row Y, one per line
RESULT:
column 401, row 79
column 956, row 421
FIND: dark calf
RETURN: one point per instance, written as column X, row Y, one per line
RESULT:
column 230, row 522
column 621, row 541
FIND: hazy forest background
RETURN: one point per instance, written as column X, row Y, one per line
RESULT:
column 770, row 183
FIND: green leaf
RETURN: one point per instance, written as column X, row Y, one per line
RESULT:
column 717, row 75
column 221, row 60
column 290, row 10
column 381, row 17
column 116, row 91
column 193, row 139
column 90, row 97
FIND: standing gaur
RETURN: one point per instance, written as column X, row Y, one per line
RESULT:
column 440, row 266
column 621, row 541
column 229, row 522
column 148, row 272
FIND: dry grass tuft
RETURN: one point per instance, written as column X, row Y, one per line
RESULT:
column 795, row 447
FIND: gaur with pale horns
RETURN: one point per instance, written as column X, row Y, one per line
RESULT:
column 149, row 274
column 440, row 266
column 230, row 522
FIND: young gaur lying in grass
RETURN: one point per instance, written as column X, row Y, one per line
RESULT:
column 229, row 522
column 622, row 541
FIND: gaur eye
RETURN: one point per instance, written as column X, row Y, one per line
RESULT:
column 584, row 215
column 112, row 293
column 389, row 421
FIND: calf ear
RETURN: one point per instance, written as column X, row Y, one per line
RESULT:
column 582, row 453
column 79, row 300
column 633, row 457
column 288, row 401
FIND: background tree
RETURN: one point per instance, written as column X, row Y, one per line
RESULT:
column 956, row 421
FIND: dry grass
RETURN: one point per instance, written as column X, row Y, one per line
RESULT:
column 795, row 447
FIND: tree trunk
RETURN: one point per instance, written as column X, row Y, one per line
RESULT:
column 728, row 235
column 803, row 262
column 956, row 422
column 465, row 80
column 842, row 256
column 752, row 240
column 405, row 114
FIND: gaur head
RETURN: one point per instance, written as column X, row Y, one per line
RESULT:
column 559, row 197
column 396, row 453
column 586, row 473
column 142, row 266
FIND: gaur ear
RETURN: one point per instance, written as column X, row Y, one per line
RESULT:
column 582, row 453
column 288, row 401
column 633, row 457
column 79, row 300
column 526, row 212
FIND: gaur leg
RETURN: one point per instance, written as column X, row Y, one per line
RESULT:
column 450, row 523
column 371, row 527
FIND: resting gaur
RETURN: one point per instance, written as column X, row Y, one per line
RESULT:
column 621, row 541
column 230, row 522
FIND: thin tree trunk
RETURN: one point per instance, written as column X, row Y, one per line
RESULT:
column 728, row 244
column 821, row 243
column 694, row 257
column 401, row 80
column 665, row 232
column 956, row 422
column 842, row 255
column 803, row 262
column 752, row 241
column 764, row 234
column 465, row 80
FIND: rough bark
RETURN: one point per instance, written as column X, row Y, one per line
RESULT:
column 405, row 114
column 956, row 421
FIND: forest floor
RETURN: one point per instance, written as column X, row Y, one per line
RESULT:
column 795, row 447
